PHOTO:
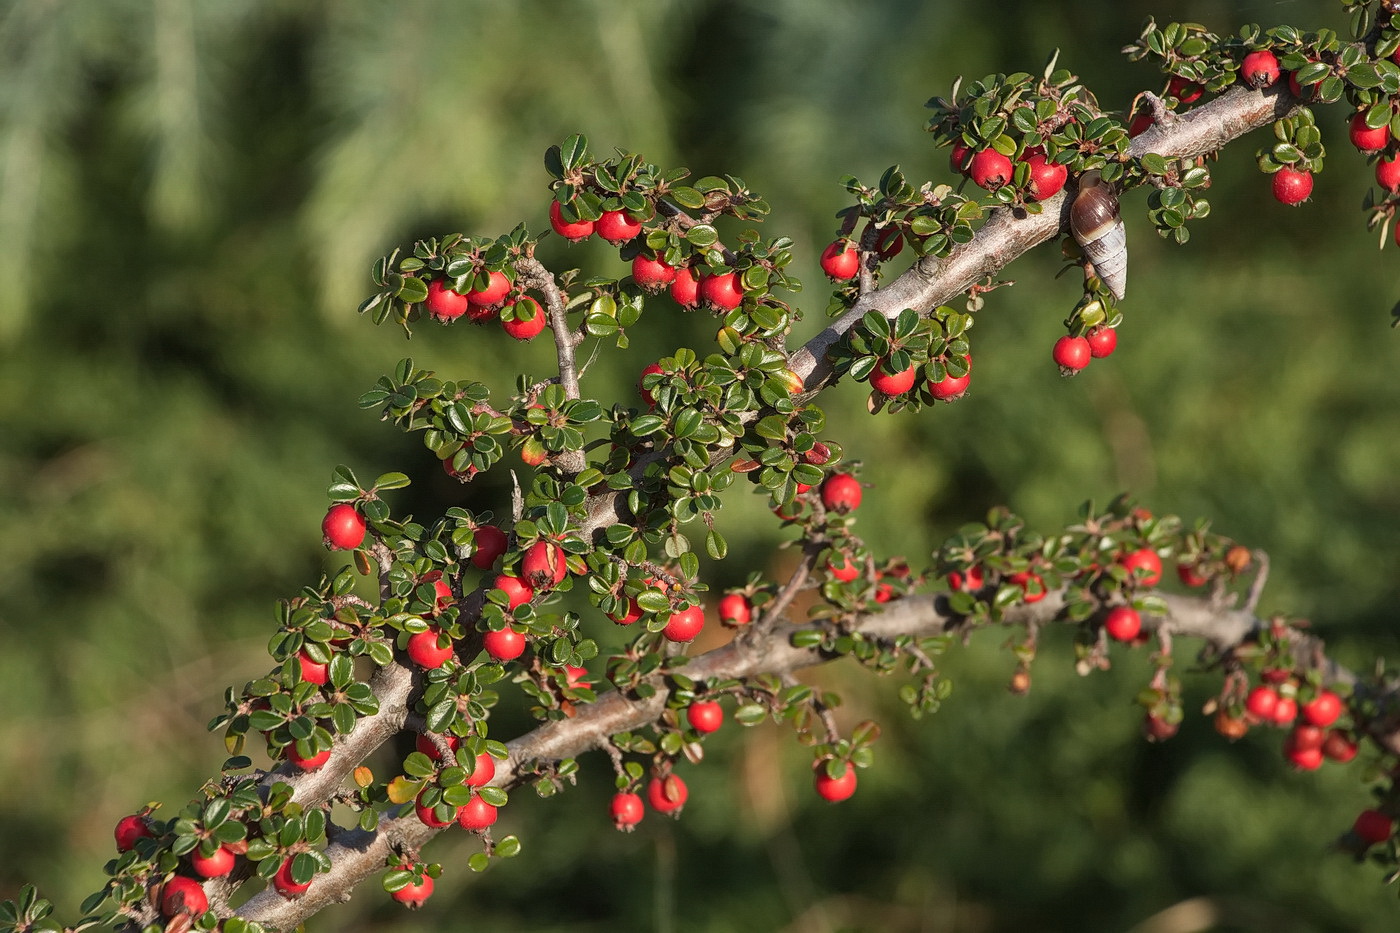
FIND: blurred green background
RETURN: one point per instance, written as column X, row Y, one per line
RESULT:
column 191, row 194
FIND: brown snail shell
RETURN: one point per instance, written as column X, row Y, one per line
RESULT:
column 1099, row 231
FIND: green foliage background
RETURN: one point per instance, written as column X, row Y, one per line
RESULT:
column 191, row 194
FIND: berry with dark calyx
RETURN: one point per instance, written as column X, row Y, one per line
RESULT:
column 890, row 384
column 735, row 609
column 685, row 289
column 989, row 169
column 308, row 764
column 285, row 884
column 1071, row 354
column 1102, row 341
column 215, row 865
column 1143, row 565
column 489, row 543
column 1292, row 186
column 1261, row 703
column 443, row 303
column 425, row 650
column 647, row 396
column 573, row 231
column 652, row 273
column 1047, row 178
column 1339, row 746
column 835, row 789
column 343, row 528
column 966, row 581
column 129, row 829
column 667, row 794
column 182, row 895
column 1323, row 709
column 841, row 261
column 529, row 319
column 626, row 810
column 543, row 565
column 1373, row 827
column 841, row 492
column 1122, row 623
column 476, row 815
column 517, row 591
column 415, row 894
column 722, row 291
column 505, row 645
column 493, row 294
column 1260, row 68
column 1388, row 174
column 1231, row 727
column 617, row 227
column 684, row 625
column 1188, row 92
column 951, row 387
column 705, row 716
column 1367, row 138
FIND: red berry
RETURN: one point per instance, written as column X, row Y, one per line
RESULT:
column 1367, row 138
column 489, row 543
column 1259, row 69
column 1188, row 575
column 517, row 591
column 529, row 319
column 443, row 303
column 1188, row 92
column 460, row 475
column 618, row 227
column 1047, row 178
column 668, row 794
column 1304, row 759
column 1261, row 703
column 442, row 591
column 217, row 865
column 1141, row 123
column 705, row 716
column 414, row 894
column 569, row 230
column 951, row 387
column 647, row 396
column 1123, row 623
column 1157, row 728
column 841, row 492
column 476, row 815
column 722, row 291
column 684, row 625
column 1292, row 186
column 734, row 609
column 427, row 747
column 343, row 528
column 129, row 829
column 990, row 169
column 836, row 789
column 627, row 811
column 889, row 243
column 653, row 274
column 633, row 613
column 959, row 157
column 1323, row 709
column 1071, row 353
column 841, row 261
column 428, row 815
column 685, row 290
column 966, row 580
column 1102, row 342
column 285, row 884
column 482, row 772
column 1339, row 746
column 1145, row 560
column 425, row 651
column 505, row 645
column 1388, row 173
column 313, row 672
column 183, row 895
column 1373, row 826
column 308, row 764
column 888, row 383
column 543, row 565
column 1304, row 737
column 493, row 294
column 1285, row 710
column 840, row 566
column 1031, row 584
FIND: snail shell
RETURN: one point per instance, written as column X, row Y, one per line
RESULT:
column 1099, row 231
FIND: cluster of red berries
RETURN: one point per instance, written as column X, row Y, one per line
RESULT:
column 1312, row 738
column 476, row 815
column 522, row 318
column 991, row 169
column 1073, row 353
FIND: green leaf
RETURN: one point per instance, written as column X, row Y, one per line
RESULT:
column 391, row 481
